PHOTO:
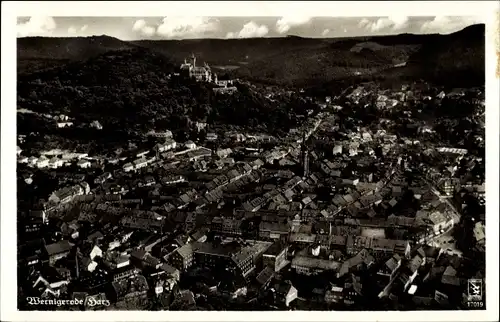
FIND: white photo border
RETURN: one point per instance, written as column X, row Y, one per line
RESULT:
column 489, row 10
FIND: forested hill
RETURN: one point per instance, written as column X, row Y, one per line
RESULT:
column 127, row 88
column 35, row 53
column 291, row 60
column 131, row 91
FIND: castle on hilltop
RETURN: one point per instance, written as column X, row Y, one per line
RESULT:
column 204, row 74
column 200, row 73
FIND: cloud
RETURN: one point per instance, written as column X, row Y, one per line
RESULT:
column 187, row 27
column 72, row 30
column 138, row 25
column 249, row 30
column 141, row 27
column 286, row 23
column 36, row 26
column 148, row 31
column 443, row 24
column 325, row 32
column 386, row 23
column 364, row 23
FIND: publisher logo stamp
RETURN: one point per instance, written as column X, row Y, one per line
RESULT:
column 475, row 293
column 475, row 289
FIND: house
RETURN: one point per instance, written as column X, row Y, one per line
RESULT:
column 39, row 215
column 149, row 260
column 410, row 271
column 128, row 167
column 83, row 164
column 125, row 272
column 169, row 144
column 141, row 153
column 120, row 261
column 71, row 229
column 361, row 258
column 32, row 226
column 185, row 300
column 64, row 124
column 198, row 153
column 161, row 284
column 390, row 266
column 275, row 256
column 222, row 82
column 212, row 255
column 265, row 276
column 441, row 298
column 161, row 134
column 61, row 117
column 102, row 178
column 96, row 252
column 200, row 126
column 55, row 163
column 88, row 264
column 353, row 289
column 337, row 150
column 32, row 161
column 229, row 226
column 479, row 232
column 95, row 124
column 18, row 151
column 149, row 181
column 273, row 230
column 140, row 163
column 172, row 179
column 243, row 261
column 134, row 287
column 171, row 271
column 42, row 162
column 58, row 250
column 212, row 137
column 49, row 282
column 225, row 90
column 223, row 153
column 286, row 293
column 190, row 145
column 439, row 221
column 334, row 295
column 312, row 265
column 67, row 194
column 183, row 257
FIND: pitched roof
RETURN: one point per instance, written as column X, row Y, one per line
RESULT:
column 265, row 275
column 59, row 247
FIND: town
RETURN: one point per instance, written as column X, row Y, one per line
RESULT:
column 347, row 211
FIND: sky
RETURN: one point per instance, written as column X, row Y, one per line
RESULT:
column 190, row 27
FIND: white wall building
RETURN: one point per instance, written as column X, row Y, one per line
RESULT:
column 84, row 164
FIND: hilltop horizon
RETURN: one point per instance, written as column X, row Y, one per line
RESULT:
column 249, row 38
column 205, row 27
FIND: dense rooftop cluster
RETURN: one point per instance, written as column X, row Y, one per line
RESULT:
column 348, row 210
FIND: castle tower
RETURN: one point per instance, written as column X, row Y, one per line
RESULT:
column 193, row 58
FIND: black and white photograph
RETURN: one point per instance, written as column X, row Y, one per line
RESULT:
column 293, row 162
